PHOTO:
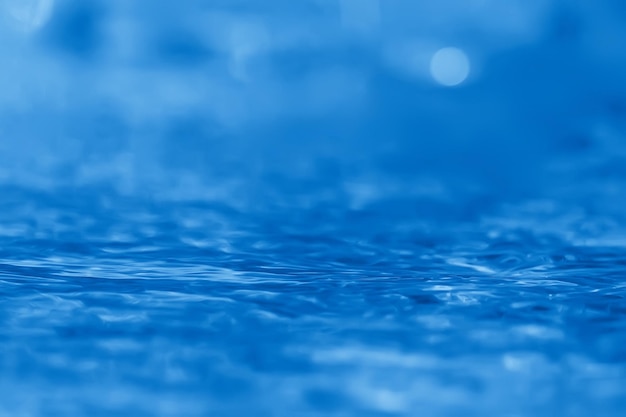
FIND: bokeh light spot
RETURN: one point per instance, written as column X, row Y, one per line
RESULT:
column 29, row 15
column 449, row 66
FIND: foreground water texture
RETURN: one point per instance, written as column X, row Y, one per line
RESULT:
column 312, row 208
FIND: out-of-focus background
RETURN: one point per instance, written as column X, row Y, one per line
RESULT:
column 332, row 208
column 354, row 96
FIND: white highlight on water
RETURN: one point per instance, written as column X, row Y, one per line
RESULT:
column 449, row 66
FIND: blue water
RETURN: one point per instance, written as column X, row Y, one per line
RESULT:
column 312, row 208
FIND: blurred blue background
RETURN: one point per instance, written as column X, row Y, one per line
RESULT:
column 424, row 200
column 184, row 99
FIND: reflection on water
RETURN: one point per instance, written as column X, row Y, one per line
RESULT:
column 189, row 309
